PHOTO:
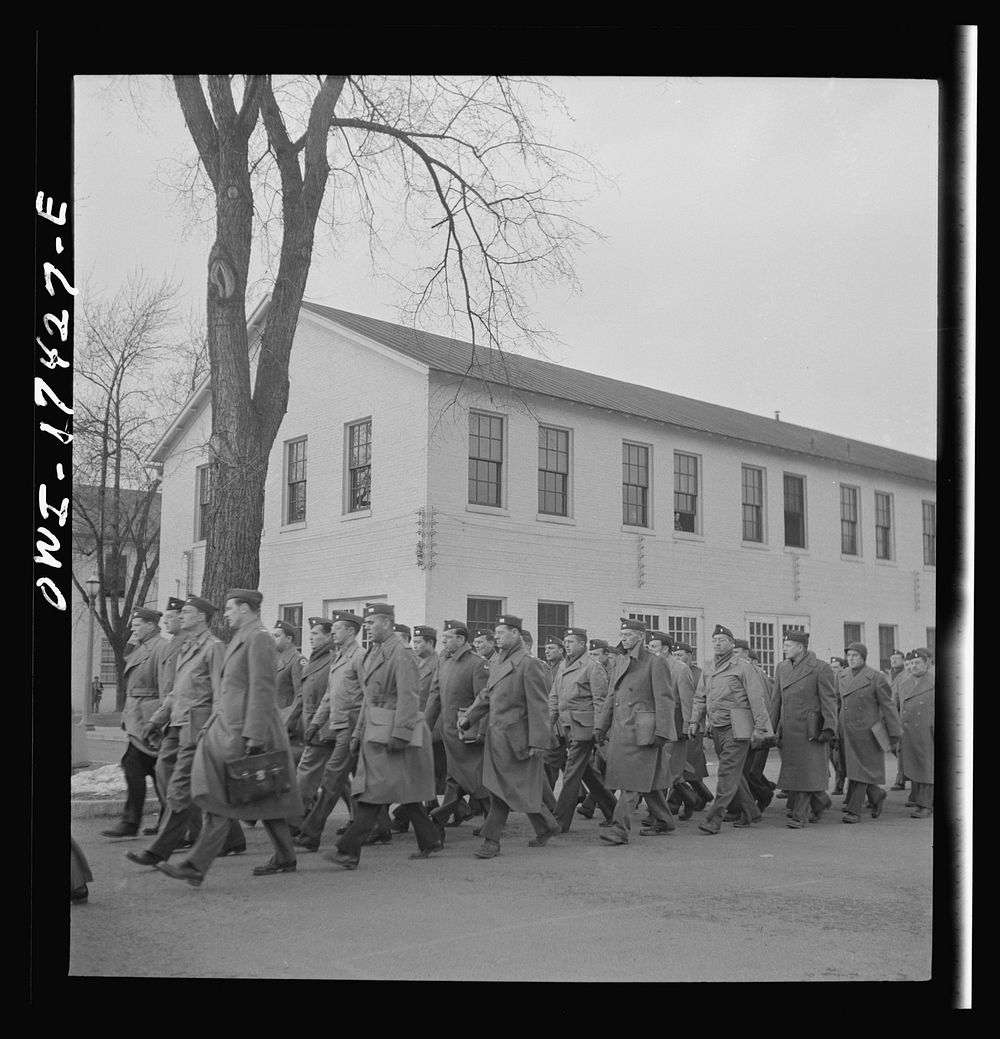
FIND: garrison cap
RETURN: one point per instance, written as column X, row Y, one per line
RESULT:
column 630, row 625
column 660, row 636
column 597, row 644
column 145, row 614
column 347, row 617
column 173, row 603
column 798, row 636
column 289, row 629
column 684, row 646
column 741, row 644
column 510, row 620
column 326, row 623
column 525, row 634
column 201, row 604
column 485, row 633
column 923, row 654
column 753, row 656
column 721, row 629
column 858, row 647
column 425, row 631
column 553, row 641
column 403, row 629
column 248, row 595
column 459, row 628
column 579, row 632
column 385, row 608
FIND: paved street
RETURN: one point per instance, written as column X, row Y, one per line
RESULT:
column 831, row 902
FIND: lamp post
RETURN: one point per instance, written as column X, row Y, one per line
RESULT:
column 93, row 587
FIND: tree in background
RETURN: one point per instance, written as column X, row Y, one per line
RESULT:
column 452, row 165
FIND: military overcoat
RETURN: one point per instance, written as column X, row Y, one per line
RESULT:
column 683, row 681
column 391, row 708
column 916, row 700
column 288, row 666
column 315, row 677
column 460, row 679
column 805, row 691
column 579, row 689
column 245, row 709
column 341, row 702
column 641, row 704
column 195, row 668
column 143, row 673
column 866, row 700
column 517, row 701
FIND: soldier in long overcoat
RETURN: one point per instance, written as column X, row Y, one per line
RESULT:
column 393, row 743
column 143, row 674
column 288, row 666
column 695, row 763
column 245, row 720
column 866, row 701
column 806, row 723
column 916, row 698
column 517, row 738
column 639, row 720
column 461, row 676
column 577, row 694
column 728, row 686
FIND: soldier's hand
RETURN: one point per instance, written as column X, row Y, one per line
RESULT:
column 759, row 742
column 692, row 729
column 250, row 747
column 463, row 724
column 659, row 741
column 395, row 745
column 826, row 736
column 354, row 746
column 149, row 729
column 600, row 736
column 894, row 744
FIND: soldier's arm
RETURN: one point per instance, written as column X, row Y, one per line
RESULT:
column 685, row 691
column 699, row 701
column 262, row 688
column 890, row 716
column 433, row 709
column 664, row 699
column 536, row 704
column 553, row 698
column 827, row 696
column 407, row 678
column 757, row 695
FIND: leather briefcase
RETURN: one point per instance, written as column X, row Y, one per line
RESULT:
column 257, row 777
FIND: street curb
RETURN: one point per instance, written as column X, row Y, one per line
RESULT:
column 105, row 807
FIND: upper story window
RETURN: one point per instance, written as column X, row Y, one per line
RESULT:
column 291, row 613
column 553, row 471
column 849, row 521
column 929, row 510
column 883, row 525
column 359, row 466
column 795, row 511
column 485, row 459
column 635, row 484
column 295, row 481
column 685, row 492
column 753, row 503
column 203, row 498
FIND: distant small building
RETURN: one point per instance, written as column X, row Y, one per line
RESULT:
column 411, row 470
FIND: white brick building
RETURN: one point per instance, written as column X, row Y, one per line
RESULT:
column 659, row 505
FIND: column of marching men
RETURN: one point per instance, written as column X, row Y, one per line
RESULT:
column 463, row 724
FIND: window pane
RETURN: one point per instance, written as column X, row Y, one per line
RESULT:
column 635, row 484
column 553, row 619
column 359, row 466
column 753, row 504
column 685, row 492
column 485, row 459
column 761, row 638
column 553, row 470
column 296, row 497
column 849, row 520
column 482, row 613
column 795, row 511
column 684, row 629
column 852, row 633
column 929, row 510
column 886, row 644
column 883, row 526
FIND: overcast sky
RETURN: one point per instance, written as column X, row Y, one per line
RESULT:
column 770, row 244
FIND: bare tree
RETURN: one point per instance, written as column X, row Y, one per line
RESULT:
column 455, row 164
column 122, row 341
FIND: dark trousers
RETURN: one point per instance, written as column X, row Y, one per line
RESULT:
column 215, row 831
column 803, row 803
column 452, row 803
column 577, row 771
column 541, row 822
column 731, row 784
column 366, row 816
column 628, row 800
column 922, row 794
column 761, row 788
column 137, row 766
column 856, row 791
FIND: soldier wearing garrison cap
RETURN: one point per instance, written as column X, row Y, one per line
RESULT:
column 638, row 718
column 181, row 716
column 600, row 652
column 761, row 788
column 288, row 666
column 245, row 721
column 517, row 738
column 731, row 699
column 484, row 643
column 915, row 692
column 695, row 763
column 143, row 676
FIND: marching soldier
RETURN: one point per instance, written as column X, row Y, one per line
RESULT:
column 330, row 730
column 695, row 764
column 732, row 698
column 638, row 718
column 599, row 651
column 181, row 715
column 916, row 696
column 484, row 643
column 517, row 739
column 245, row 721
column 143, row 674
column 288, row 665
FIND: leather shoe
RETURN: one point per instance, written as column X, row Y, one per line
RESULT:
column 305, row 843
column 338, row 858
column 587, row 813
column 121, row 830
column 399, row 826
column 489, row 850
column 378, row 838
column 612, row 838
column 795, row 824
column 541, row 839
column 655, row 831
column 271, row 866
column 910, row 804
column 143, row 858
column 850, row 817
column 79, row 895
column 477, row 830
column 425, row 853
column 182, row 871
column 878, row 805
column 232, row 851
column 741, row 822
column 148, row 831
column 922, row 813
column 710, row 825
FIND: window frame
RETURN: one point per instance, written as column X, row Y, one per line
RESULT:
column 475, row 625
column 889, row 536
column 860, row 635
column 856, row 521
column 501, row 479
column 291, row 613
column 929, row 539
column 697, row 526
column 288, row 483
column 893, row 629
column 567, row 476
column 647, row 524
column 202, row 479
column 785, row 511
column 746, row 467
column 355, row 606
column 349, row 469
column 544, row 630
